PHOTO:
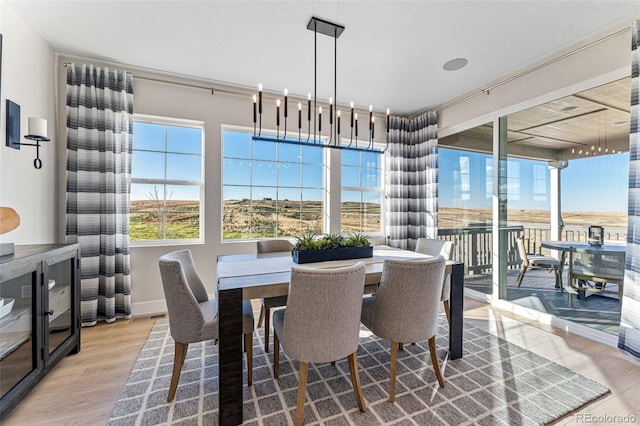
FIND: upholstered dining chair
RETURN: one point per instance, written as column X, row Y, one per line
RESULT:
column 444, row 248
column 405, row 308
column 193, row 317
column 268, row 303
column 537, row 261
column 321, row 323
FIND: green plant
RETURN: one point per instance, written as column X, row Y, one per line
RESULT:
column 306, row 242
column 310, row 241
column 358, row 239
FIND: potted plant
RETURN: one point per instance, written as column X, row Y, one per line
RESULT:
column 312, row 248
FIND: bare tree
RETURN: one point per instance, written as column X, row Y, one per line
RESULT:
column 159, row 206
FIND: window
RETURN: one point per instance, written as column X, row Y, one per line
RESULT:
column 166, row 179
column 270, row 189
column 361, row 206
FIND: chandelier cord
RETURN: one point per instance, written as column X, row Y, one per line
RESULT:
column 334, row 140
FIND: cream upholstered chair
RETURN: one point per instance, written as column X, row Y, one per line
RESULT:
column 193, row 317
column 537, row 261
column 268, row 303
column 321, row 323
column 405, row 308
column 444, row 248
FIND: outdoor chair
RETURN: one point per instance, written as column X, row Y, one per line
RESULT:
column 537, row 261
column 592, row 271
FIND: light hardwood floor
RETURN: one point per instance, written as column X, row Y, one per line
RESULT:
column 83, row 388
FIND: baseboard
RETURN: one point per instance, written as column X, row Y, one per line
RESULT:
column 148, row 308
column 562, row 324
column 586, row 332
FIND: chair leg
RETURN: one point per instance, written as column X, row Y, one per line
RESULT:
column 355, row 380
column 435, row 361
column 267, row 325
column 401, row 346
column 333, row 363
column 248, row 348
column 276, row 355
column 392, row 373
column 302, row 386
column 447, row 310
column 523, row 269
column 179, row 354
column 261, row 317
column 559, row 280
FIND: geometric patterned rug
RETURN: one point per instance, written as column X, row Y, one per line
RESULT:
column 495, row 383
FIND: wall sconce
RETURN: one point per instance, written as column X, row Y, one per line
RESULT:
column 37, row 131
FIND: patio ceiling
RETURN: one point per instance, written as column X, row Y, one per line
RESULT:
column 592, row 122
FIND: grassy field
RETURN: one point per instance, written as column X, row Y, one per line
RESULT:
column 453, row 217
column 146, row 222
column 270, row 218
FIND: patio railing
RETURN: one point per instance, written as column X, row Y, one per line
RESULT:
column 473, row 245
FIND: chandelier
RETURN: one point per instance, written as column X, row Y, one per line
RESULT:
column 336, row 131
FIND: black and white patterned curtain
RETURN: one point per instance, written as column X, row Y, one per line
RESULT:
column 99, row 142
column 412, row 180
column 629, row 334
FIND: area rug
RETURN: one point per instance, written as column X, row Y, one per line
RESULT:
column 495, row 383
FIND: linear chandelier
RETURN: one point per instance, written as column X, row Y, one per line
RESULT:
column 335, row 134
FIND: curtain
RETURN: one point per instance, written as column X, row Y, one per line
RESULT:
column 99, row 142
column 412, row 180
column 629, row 334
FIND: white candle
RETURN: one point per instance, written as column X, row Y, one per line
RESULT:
column 37, row 127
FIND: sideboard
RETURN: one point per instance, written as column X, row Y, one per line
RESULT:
column 39, row 315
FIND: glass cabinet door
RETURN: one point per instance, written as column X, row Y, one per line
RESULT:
column 58, row 293
column 17, row 331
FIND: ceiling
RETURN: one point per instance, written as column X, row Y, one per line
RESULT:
column 589, row 123
column 391, row 54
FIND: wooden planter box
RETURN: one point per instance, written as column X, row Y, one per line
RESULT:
column 342, row 253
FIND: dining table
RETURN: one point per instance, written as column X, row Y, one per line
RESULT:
column 252, row 276
column 564, row 247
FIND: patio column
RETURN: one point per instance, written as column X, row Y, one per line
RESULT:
column 555, row 207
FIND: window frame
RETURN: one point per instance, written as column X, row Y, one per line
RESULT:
column 267, row 132
column 175, row 122
column 365, row 189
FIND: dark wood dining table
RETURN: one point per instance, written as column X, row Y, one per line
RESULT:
column 252, row 276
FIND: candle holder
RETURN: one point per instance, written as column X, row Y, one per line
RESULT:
column 332, row 139
column 37, row 163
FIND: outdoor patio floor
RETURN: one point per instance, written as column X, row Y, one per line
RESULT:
column 598, row 311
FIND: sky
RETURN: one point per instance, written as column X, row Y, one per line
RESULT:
column 597, row 184
column 589, row 184
column 299, row 166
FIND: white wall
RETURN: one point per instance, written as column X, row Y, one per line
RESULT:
column 27, row 79
column 598, row 64
column 180, row 101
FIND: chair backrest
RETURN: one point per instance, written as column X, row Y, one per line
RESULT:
column 272, row 246
column 603, row 267
column 322, row 320
column 521, row 251
column 183, row 291
column 435, row 247
column 407, row 301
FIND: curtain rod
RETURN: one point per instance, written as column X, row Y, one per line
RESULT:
column 528, row 71
column 212, row 89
